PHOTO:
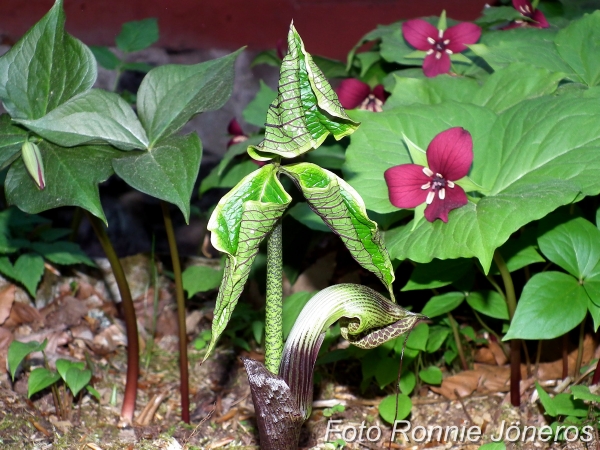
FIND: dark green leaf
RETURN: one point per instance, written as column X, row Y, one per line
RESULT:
column 489, row 303
column 437, row 336
column 171, row 95
column 518, row 253
column 306, row 216
column 11, row 140
column 28, row 270
column 437, row 273
column 229, row 178
column 137, row 67
column 386, row 371
column 495, row 14
column 200, row 279
column 331, row 68
column 268, row 57
column 137, row 35
column 62, row 252
column 166, row 171
column 45, row 68
column 53, row 234
column 552, row 303
column 417, row 339
column 93, row 117
column 442, row 304
column 236, row 150
column 40, row 379
column 105, row 57
column 330, row 157
column 388, row 411
column 431, row 375
column 430, row 91
column 18, row 351
column 256, row 111
column 292, row 306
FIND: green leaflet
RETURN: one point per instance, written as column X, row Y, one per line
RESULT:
column 11, row 140
column 343, row 210
column 239, row 223
column 305, row 111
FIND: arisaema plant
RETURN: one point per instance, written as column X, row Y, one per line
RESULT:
column 304, row 113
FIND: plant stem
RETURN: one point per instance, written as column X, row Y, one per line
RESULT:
column 133, row 345
column 55, row 395
column 492, row 332
column 183, row 359
column 515, row 344
column 565, row 355
column 538, row 356
column 461, row 352
column 274, row 301
column 75, row 222
column 580, row 348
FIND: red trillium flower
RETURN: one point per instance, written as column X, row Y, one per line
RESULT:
column 449, row 156
column 439, row 44
column 236, row 132
column 353, row 93
column 526, row 9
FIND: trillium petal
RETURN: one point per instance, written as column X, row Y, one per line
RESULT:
column 539, row 17
column 438, row 209
column 417, row 31
column 351, row 92
column 450, row 153
column 404, row 185
column 434, row 66
column 235, row 128
column 379, row 92
column 461, row 34
column 523, row 6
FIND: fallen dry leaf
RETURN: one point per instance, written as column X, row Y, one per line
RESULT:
column 7, row 297
column 22, row 313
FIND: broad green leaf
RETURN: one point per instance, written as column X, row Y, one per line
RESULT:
column 430, row 91
column 431, row 375
column 417, row 339
column 239, row 223
column 583, row 393
column 256, row 111
column 229, row 177
column 388, row 410
column 236, row 150
column 45, row 68
column 77, row 378
column 531, row 159
column 72, row 177
column 573, row 245
column 167, row 171
column 54, row 234
column 437, row 336
column 200, row 279
column 507, row 86
column 386, row 371
column 437, row 273
column 489, row 303
column 137, row 67
column 495, row 14
column 442, row 304
column 40, row 379
column 579, row 46
column 62, row 252
column 519, row 253
column 137, row 35
column 18, row 351
column 268, row 57
column 63, row 366
column 171, row 95
column 105, row 57
column 407, row 384
column 306, row 216
column 343, row 210
column 92, row 117
column 11, row 140
column 331, row 68
column 292, row 306
column 373, row 35
column 330, row 157
column 552, row 303
column 28, row 270
column 305, row 111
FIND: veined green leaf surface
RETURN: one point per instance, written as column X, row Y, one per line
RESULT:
column 45, row 68
column 305, row 111
column 343, row 210
column 137, row 35
column 11, row 140
column 239, row 223
column 93, row 117
column 166, row 171
column 170, row 95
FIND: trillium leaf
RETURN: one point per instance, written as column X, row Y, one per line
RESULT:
column 77, row 378
column 18, row 351
column 305, row 111
column 39, row 379
column 45, row 68
column 531, row 159
column 343, row 210
column 28, row 269
column 541, row 311
column 254, row 113
column 437, row 273
column 72, row 177
column 171, row 95
column 62, row 252
column 93, row 117
column 167, row 171
column 489, row 303
column 239, row 223
column 11, row 140
column 442, row 304
column 430, row 91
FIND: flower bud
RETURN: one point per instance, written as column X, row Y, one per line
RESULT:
column 34, row 164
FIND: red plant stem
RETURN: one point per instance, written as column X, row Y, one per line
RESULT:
column 133, row 346
column 184, row 388
column 515, row 344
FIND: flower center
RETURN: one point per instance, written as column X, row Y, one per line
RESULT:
column 372, row 103
column 439, row 45
column 437, row 184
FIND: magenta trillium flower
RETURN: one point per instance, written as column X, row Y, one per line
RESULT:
column 439, row 44
column 526, row 9
column 353, row 93
column 235, row 131
column 449, row 156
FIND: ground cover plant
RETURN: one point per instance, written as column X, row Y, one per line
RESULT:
column 455, row 163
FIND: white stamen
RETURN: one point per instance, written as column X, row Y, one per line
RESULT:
column 431, row 40
column 427, row 171
column 446, row 41
column 438, row 175
column 442, row 194
column 441, row 33
column 430, row 197
column 526, row 8
column 438, row 55
column 450, row 184
column 430, row 51
column 449, row 51
column 426, row 186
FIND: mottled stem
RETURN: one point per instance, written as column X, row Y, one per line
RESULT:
column 183, row 356
column 459, row 347
column 133, row 348
column 274, row 301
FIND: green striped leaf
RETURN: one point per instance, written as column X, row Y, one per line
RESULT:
column 305, row 111
column 239, row 223
column 343, row 210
